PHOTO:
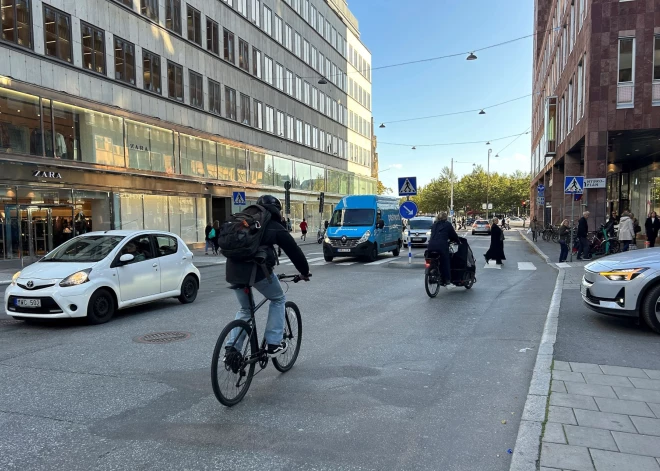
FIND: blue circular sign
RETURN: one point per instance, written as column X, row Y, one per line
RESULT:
column 408, row 210
column 540, row 188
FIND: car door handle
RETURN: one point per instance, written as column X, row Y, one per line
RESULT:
column 155, row 265
column 185, row 258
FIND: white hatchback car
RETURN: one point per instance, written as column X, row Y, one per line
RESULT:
column 95, row 274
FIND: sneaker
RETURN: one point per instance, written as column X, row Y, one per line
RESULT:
column 274, row 350
column 232, row 359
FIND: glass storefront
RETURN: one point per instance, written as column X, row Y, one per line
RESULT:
column 645, row 191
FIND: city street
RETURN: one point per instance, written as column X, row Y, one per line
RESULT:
column 387, row 378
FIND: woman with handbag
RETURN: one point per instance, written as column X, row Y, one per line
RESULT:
column 626, row 231
column 496, row 250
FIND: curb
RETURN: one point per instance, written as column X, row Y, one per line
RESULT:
column 527, row 451
column 5, row 282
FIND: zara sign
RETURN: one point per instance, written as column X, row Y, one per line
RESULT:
column 44, row 174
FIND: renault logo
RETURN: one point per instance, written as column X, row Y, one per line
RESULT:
column 343, row 239
column 30, row 284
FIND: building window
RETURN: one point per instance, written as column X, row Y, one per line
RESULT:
column 314, row 57
column 151, row 71
column 256, row 62
column 278, row 29
column 288, row 82
column 315, row 98
column 306, row 93
column 242, row 7
column 245, row 110
column 306, row 51
column 258, row 114
column 298, row 88
column 124, row 61
column 297, row 45
column 321, row 24
column 93, row 48
column 196, row 86
column 194, row 25
column 173, row 15
column 174, row 81
column 299, row 131
column 289, row 127
column 308, row 135
column 230, row 103
column 280, row 123
column 321, row 62
column 656, row 58
column 288, row 33
column 255, row 12
column 322, row 102
column 315, row 137
column 268, row 69
column 312, row 16
column 626, row 76
column 212, row 37
column 214, row 97
column 578, row 93
column 243, row 55
column 569, row 108
column 322, row 140
column 229, row 46
column 149, row 8
column 17, row 22
column 269, row 119
column 268, row 21
column 279, row 79
column 57, row 32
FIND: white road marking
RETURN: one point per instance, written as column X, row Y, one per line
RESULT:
column 493, row 264
column 526, row 266
column 289, row 262
column 380, row 262
column 315, row 253
column 345, row 264
column 319, row 264
column 563, row 265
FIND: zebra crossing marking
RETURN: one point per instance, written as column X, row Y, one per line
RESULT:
column 526, row 266
column 380, row 262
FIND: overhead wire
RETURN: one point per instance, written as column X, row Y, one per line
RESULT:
column 453, row 143
column 514, row 140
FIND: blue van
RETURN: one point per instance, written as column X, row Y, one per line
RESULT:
column 364, row 226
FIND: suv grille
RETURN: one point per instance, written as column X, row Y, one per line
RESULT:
column 349, row 243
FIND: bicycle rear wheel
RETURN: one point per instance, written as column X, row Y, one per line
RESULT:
column 231, row 375
column 432, row 285
column 292, row 336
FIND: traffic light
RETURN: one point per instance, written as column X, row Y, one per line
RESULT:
column 524, row 203
column 321, row 200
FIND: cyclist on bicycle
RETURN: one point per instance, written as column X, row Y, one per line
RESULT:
column 441, row 233
column 238, row 273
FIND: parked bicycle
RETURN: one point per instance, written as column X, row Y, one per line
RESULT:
column 237, row 351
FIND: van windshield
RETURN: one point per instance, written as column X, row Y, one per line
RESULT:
column 420, row 223
column 352, row 217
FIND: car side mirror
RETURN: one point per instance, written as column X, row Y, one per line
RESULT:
column 127, row 257
column 381, row 224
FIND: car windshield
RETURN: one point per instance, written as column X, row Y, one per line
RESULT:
column 482, row 223
column 352, row 217
column 421, row 223
column 84, row 249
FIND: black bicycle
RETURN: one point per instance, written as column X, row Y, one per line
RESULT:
column 237, row 351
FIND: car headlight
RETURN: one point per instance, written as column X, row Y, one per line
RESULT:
column 76, row 279
column 327, row 239
column 15, row 277
column 623, row 275
column 365, row 237
column 428, row 233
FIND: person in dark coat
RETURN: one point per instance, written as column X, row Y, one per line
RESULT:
column 216, row 244
column 441, row 233
column 582, row 232
column 496, row 250
column 652, row 227
column 207, row 239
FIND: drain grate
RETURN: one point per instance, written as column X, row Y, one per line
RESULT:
column 163, row 337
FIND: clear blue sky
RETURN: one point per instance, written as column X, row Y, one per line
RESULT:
column 396, row 31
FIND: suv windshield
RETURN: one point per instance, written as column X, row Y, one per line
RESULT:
column 84, row 249
column 352, row 217
column 420, row 223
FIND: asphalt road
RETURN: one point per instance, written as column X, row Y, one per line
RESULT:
column 386, row 379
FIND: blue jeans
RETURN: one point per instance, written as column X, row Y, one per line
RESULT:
column 209, row 243
column 626, row 245
column 564, row 251
column 275, row 323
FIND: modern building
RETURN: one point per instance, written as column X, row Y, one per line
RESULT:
column 151, row 113
column 596, row 106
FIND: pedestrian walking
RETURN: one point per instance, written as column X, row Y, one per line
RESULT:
column 535, row 227
column 652, row 226
column 216, row 243
column 564, row 236
column 303, row 229
column 626, row 230
column 496, row 250
column 582, row 232
column 289, row 226
column 208, row 243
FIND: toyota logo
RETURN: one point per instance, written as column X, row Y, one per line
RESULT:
column 343, row 239
column 30, row 284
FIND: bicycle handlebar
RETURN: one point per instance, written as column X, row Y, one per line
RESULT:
column 294, row 278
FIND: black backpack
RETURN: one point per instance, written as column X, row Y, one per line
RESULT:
column 241, row 235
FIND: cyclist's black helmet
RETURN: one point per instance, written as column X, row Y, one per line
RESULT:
column 266, row 200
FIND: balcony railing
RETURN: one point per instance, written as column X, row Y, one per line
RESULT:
column 625, row 94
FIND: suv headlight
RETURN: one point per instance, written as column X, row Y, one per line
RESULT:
column 428, row 233
column 365, row 237
column 327, row 240
column 15, row 277
column 76, row 279
column 626, row 274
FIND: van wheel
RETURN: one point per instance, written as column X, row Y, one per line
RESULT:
column 397, row 251
column 101, row 307
column 328, row 258
column 373, row 255
column 650, row 309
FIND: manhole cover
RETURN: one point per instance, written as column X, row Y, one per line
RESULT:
column 163, row 337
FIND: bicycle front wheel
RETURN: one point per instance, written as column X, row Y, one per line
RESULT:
column 292, row 336
column 432, row 285
column 231, row 374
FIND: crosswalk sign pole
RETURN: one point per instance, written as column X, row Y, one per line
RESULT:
column 409, row 243
column 572, row 224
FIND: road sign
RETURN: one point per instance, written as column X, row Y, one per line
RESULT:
column 239, row 198
column 451, row 213
column 486, row 206
column 595, row 182
column 540, row 200
column 408, row 209
column 407, row 186
column 287, row 185
column 573, row 185
column 540, row 188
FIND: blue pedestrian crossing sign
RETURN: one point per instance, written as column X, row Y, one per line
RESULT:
column 239, row 198
column 408, row 210
column 407, row 186
column 573, row 185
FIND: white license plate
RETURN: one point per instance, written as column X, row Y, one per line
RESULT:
column 417, row 239
column 343, row 250
column 28, row 302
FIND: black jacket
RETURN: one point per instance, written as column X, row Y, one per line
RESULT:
column 583, row 227
column 207, row 231
column 275, row 234
column 652, row 227
column 564, row 233
column 441, row 233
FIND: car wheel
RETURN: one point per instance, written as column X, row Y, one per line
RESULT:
column 397, row 251
column 472, row 232
column 101, row 307
column 188, row 290
column 650, row 309
column 373, row 255
column 328, row 258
